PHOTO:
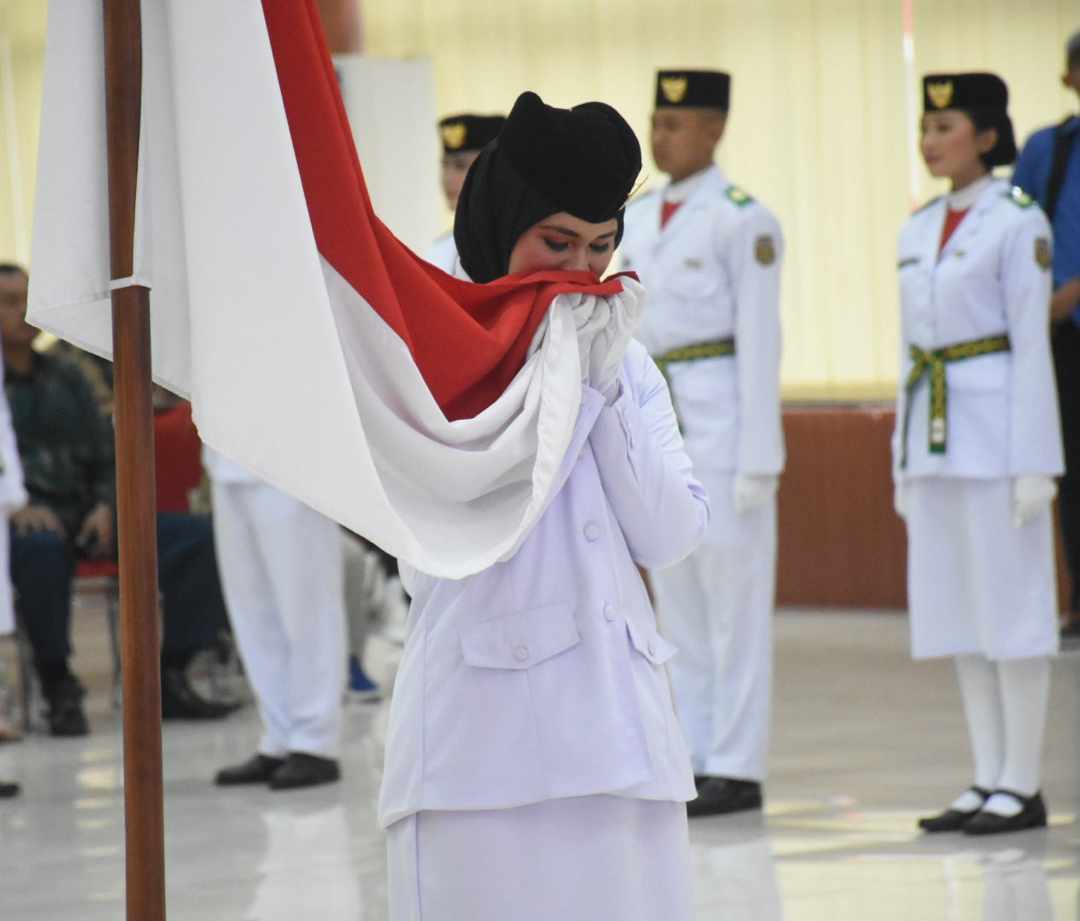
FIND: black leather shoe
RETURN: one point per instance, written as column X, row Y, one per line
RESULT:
column 1033, row 815
column 257, row 769
column 66, row 714
column 8, row 790
column 723, row 796
column 301, row 770
column 952, row 819
column 180, row 701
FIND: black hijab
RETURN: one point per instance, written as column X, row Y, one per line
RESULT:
column 583, row 160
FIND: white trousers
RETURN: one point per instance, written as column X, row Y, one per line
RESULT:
column 717, row 607
column 282, row 572
column 588, row 858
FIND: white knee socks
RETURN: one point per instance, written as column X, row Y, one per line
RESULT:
column 981, row 693
column 1005, row 704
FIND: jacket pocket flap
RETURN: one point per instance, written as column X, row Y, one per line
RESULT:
column 650, row 643
column 521, row 640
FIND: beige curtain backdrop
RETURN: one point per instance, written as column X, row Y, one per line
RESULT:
column 819, row 127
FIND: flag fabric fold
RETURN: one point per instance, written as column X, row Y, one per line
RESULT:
column 426, row 413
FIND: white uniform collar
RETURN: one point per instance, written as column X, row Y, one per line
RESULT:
column 678, row 192
column 967, row 196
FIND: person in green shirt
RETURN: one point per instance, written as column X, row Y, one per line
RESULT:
column 65, row 443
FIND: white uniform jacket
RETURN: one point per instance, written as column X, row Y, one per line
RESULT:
column 443, row 253
column 714, row 272
column 992, row 278
column 543, row 677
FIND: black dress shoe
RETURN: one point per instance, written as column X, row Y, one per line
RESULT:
column 8, row 790
column 1033, row 815
column 66, row 714
column 953, row 819
column 180, row 701
column 723, row 796
column 257, row 769
column 301, row 770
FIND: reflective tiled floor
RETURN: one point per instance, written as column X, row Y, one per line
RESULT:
column 864, row 741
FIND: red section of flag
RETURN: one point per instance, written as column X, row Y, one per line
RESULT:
column 467, row 340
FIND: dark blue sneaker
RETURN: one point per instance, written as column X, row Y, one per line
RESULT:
column 361, row 687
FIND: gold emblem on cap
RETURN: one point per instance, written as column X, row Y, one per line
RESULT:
column 453, row 135
column 674, row 88
column 765, row 249
column 941, row 94
column 1043, row 254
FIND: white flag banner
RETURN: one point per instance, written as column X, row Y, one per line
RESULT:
column 426, row 413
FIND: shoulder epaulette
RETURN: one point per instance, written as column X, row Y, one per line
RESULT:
column 1019, row 197
column 737, row 196
column 927, row 205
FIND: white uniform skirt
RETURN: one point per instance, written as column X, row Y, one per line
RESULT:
column 580, row 859
column 976, row 584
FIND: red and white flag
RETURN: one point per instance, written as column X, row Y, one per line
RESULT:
column 427, row 413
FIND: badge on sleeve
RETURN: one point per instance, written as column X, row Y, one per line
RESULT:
column 765, row 249
column 1043, row 254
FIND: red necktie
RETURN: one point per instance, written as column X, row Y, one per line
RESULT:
column 667, row 209
column 952, row 221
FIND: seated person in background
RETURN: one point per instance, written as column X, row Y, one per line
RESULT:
column 12, row 498
column 66, row 446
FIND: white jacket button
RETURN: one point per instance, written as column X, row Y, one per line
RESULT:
column 609, row 612
column 593, row 532
column 521, row 653
column 652, row 649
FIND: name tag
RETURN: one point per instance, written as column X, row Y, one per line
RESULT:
column 696, row 264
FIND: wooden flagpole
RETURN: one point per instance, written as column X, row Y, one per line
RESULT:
column 136, row 512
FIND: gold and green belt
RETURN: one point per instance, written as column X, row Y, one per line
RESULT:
column 718, row 348
column 932, row 364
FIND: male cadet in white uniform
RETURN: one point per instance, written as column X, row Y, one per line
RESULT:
column 281, row 566
column 709, row 256
column 463, row 137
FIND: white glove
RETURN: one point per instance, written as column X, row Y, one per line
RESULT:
column 1032, row 496
column 751, row 491
column 609, row 344
column 899, row 499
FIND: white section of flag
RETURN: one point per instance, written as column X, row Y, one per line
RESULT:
column 290, row 373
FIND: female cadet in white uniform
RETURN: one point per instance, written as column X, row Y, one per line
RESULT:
column 710, row 257
column 535, row 768
column 977, row 446
column 463, row 137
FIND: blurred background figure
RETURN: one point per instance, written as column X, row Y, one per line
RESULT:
column 12, row 498
column 282, row 566
column 1049, row 170
column 463, row 137
column 65, row 442
column 368, row 594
